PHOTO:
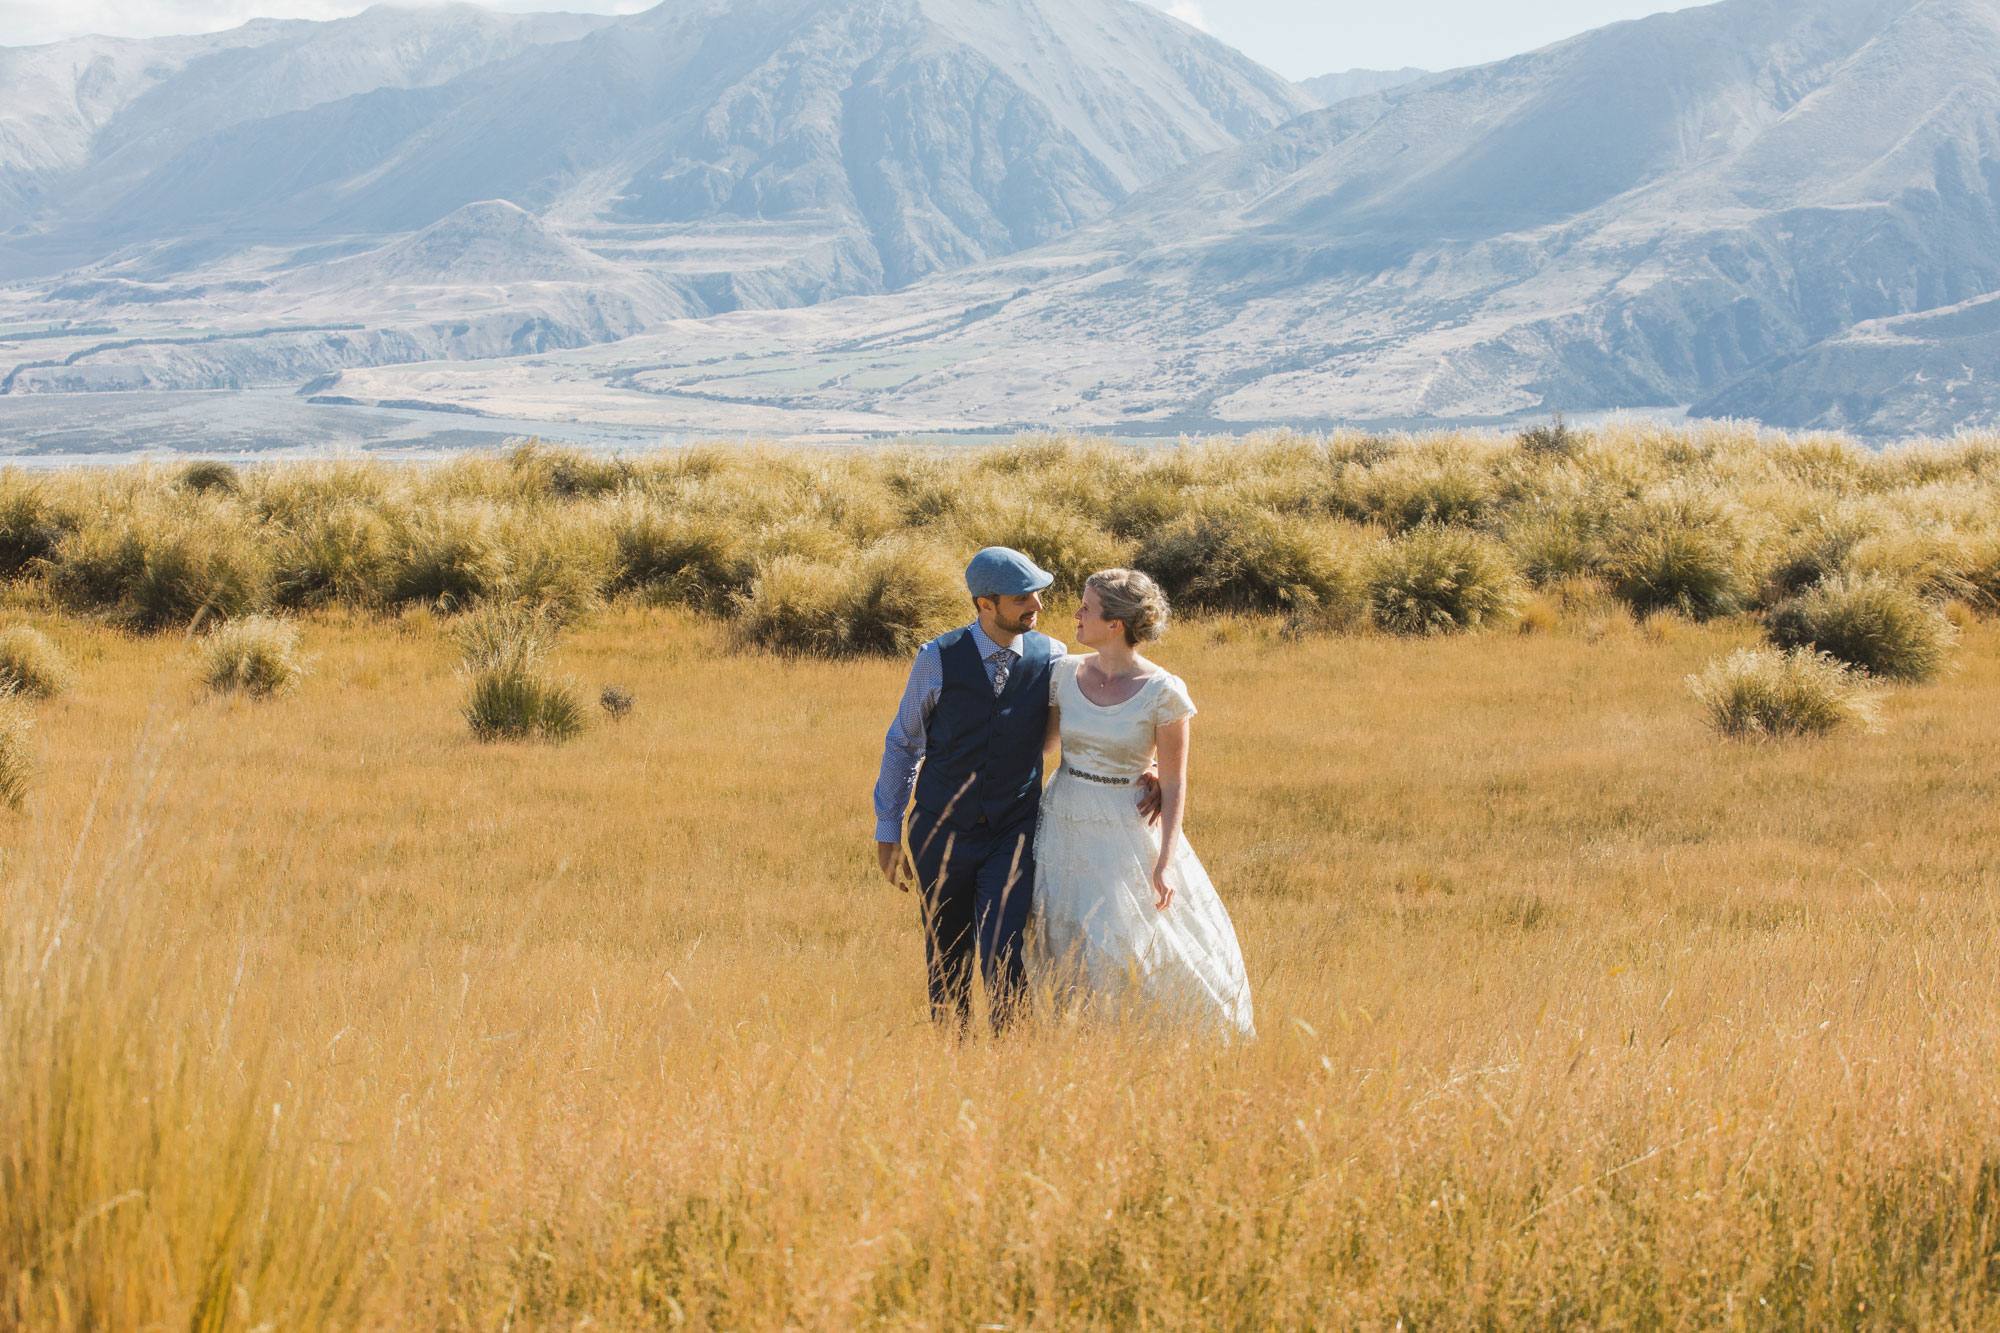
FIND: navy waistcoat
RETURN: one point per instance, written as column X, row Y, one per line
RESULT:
column 982, row 753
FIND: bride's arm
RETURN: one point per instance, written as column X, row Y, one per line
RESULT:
column 1172, row 740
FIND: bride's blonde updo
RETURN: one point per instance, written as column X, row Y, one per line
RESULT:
column 1132, row 598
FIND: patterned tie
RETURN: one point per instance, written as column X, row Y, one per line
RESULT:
column 1003, row 662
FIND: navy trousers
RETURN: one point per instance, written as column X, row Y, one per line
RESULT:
column 977, row 886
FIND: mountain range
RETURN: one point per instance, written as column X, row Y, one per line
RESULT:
column 838, row 216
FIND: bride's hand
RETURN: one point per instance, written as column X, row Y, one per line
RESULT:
column 1149, row 796
column 1163, row 892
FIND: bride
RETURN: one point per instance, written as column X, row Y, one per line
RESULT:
column 1125, row 917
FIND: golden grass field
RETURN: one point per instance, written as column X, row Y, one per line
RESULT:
column 319, row 1014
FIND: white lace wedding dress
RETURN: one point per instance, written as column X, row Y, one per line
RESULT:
column 1096, row 935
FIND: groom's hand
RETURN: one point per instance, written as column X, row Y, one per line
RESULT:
column 895, row 865
column 1149, row 795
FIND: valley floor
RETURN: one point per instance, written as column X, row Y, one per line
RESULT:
column 1572, row 1015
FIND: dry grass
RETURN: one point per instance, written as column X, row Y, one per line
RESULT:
column 257, row 655
column 32, row 665
column 323, row 1015
column 1571, row 1015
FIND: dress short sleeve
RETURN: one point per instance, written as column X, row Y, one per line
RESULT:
column 1063, row 664
column 1171, row 702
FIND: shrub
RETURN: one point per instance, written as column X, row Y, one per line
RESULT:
column 1239, row 559
column 1440, row 580
column 257, row 655
column 1549, row 547
column 1148, row 504
column 1868, row 622
column 32, row 666
column 449, row 556
column 17, row 759
column 560, row 562
column 211, row 474
column 196, row 569
column 692, row 560
column 1982, row 573
column 1552, row 439
column 29, row 530
column 505, row 635
column 794, row 606
column 511, row 696
column 156, row 570
column 1817, row 550
column 568, row 474
column 1410, row 490
column 896, row 596
column 1678, row 553
column 506, row 703
column 616, row 702
column 1065, row 544
column 339, row 555
column 927, row 487
column 1765, row 692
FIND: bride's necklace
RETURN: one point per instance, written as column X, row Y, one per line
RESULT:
column 1106, row 680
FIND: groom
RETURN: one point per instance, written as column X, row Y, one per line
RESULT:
column 968, row 737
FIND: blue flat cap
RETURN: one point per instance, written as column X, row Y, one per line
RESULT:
column 1001, row 571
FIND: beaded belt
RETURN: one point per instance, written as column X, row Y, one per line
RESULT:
column 1093, row 777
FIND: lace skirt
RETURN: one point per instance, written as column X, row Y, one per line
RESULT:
column 1098, row 940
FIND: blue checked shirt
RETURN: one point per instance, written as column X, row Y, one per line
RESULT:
column 909, row 733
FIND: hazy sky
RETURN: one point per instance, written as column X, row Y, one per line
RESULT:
column 1295, row 37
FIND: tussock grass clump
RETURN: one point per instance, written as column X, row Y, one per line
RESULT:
column 511, row 694
column 1409, row 490
column 1550, row 440
column 449, row 556
column 159, row 569
column 1440, row 580
column 1677, row 552
column 211, row 474
column 559, row 562
column 257, row 656
column 568, row 474
column 890, row 600
column 1550, row 546
column 1817, row 549
column 1241, row 559
column 1868, row 622
column 341, row 555
column 698, row 560
column 794, row 606
column 17, row 756
column 31, row 665
column 1766, row 692
column 1067, row 545
column 506, row 704
column 505, row 635
column 29, row 527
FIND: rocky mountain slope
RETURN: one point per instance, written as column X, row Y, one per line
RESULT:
column 854, row 215
column 1326, row 89
column 858, row 144
column 1650, row 215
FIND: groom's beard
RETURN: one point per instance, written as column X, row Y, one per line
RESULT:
column 1019, row 625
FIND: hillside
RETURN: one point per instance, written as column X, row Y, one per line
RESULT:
column 1326, row 89
column 1658, row 214
column 903, row 136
